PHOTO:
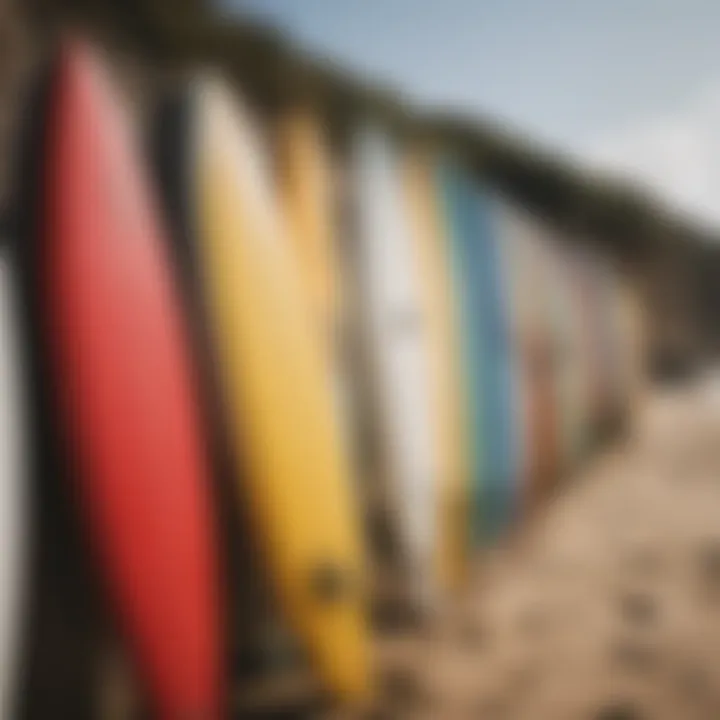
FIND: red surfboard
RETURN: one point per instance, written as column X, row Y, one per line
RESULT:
column 122, row 375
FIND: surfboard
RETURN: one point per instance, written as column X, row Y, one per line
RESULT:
column 537, row 348
column 512, row 226
column 624, row 343
column 395, row 329
column 452, row 187
column 305, row 181
column 436, row 281
column 627, row 341
column 124, row 389
column 515, row 399
column 631, row 342
column 484, row 256
column 595, row 354
column 570, row 373
column 293, row 469
column 487, row 345
column 13, row 482
column 609, row 340
column 602, row 309
column 546, row 375
column 306, row 178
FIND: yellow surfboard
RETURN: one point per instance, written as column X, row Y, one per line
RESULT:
column 306, row 184
column 305, row 179
column 277, row 393
column 453, row 542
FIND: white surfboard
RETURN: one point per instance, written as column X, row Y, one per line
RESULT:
column 12, row 485
column 395, row 332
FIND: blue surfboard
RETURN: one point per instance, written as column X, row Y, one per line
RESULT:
column 451, row 189
column 513, row 395
column 484, row 266
column 478, row 275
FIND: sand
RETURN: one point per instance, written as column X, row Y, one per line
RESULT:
column 608, row 608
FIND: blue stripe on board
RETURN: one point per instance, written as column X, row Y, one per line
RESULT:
column 497, row 375
column 452, row 189
column 485, row 268
column 478, row 270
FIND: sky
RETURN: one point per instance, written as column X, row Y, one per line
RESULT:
column 629, row 86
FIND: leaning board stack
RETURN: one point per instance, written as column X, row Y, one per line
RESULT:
column 259, row 360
